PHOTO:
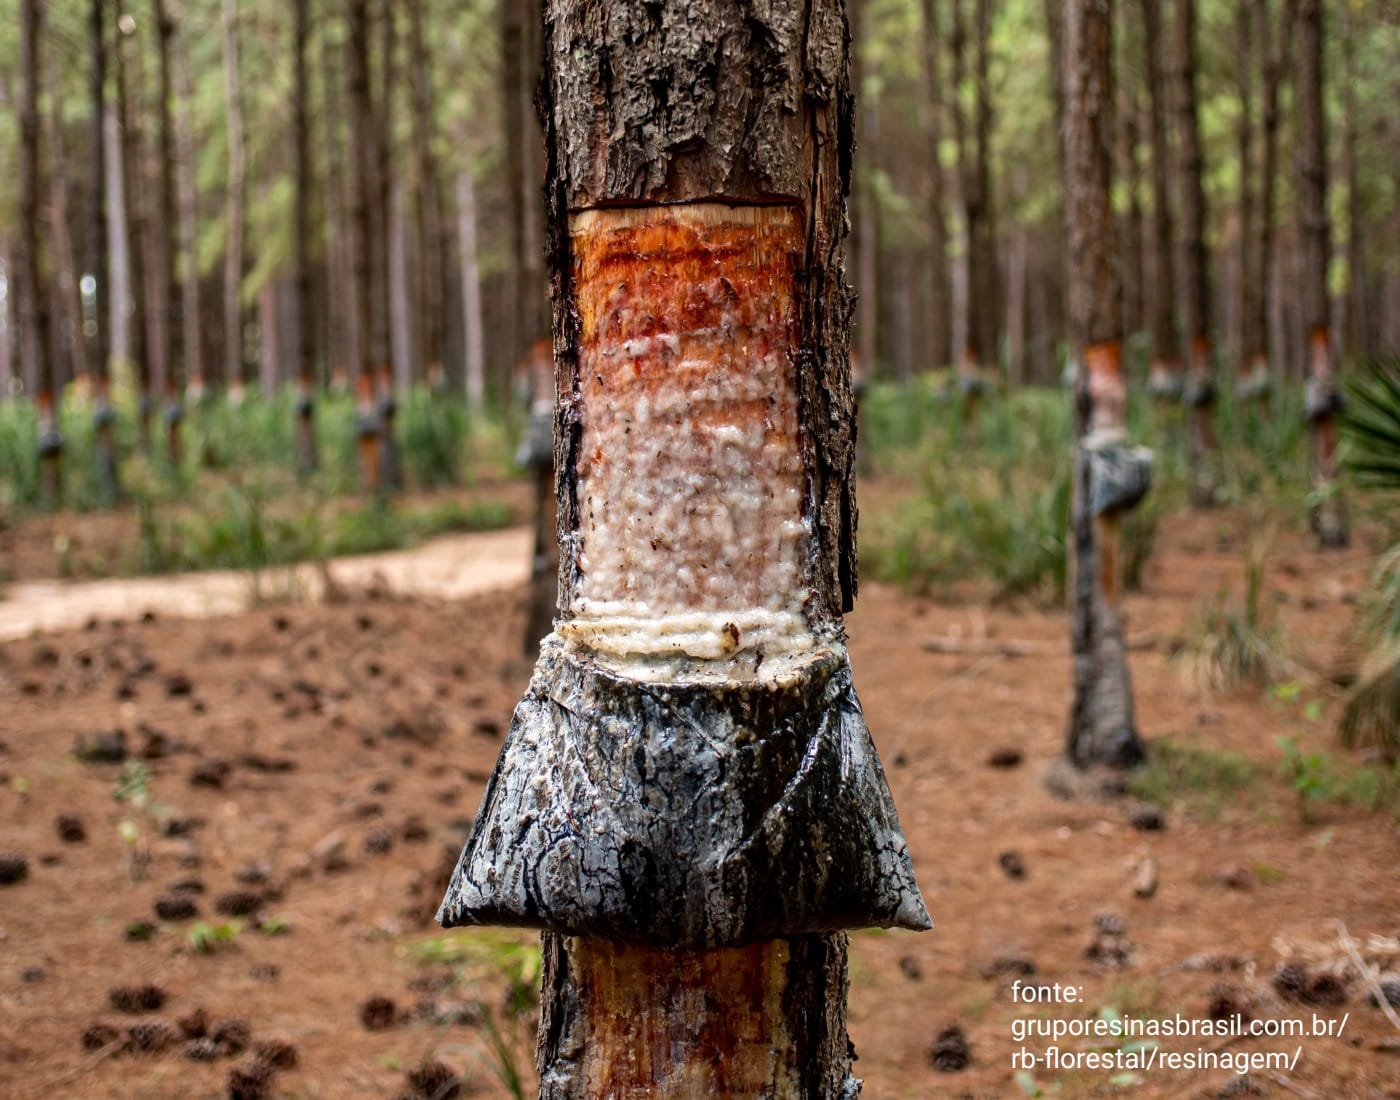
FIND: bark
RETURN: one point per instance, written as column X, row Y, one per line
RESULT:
column 934, row 107
column 1166, row 378
column 1354, row 329
column 35, row 318
column 698, row 168
column 306, row 457
column 1323, row 394
column 474, row 370
column 233, row 244
column 1110, row 477
column 367, row 424
column 7, row 322
column 167, row 276
column 1199, row 391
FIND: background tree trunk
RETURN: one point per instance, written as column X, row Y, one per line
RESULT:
column 233, row 245
column 431, row 266
column 128, row 92
column 1109, row 478
column 187, row 172
column 1244, row 141
column 935, row 100
column 1165, row 379
column 867, row 211
column 35, row 316
column 1199, row 391
column 306, row 457
column 383, row 221
column 167, row 273
column 1324, row 396
column 362, row 144
column 474, row 369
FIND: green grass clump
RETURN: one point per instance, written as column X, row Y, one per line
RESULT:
column 1205, row 781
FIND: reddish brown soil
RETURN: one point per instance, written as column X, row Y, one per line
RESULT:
column 341, row 724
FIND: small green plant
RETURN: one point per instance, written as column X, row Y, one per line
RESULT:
column 1235, row 644
column 274, row 926
column 1317, row 780
column 207, row 938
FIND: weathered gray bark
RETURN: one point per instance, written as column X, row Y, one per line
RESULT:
column 698, row 168
column 1199, row 391
column 1110, row 477
column 1323, row 394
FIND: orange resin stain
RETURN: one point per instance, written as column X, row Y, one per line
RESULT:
column 690, row 479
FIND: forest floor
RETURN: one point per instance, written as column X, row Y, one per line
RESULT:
column 266, row 843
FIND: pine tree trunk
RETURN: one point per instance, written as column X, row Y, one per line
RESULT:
column 187, row 187
column 362, row 144
column 1130, row 247
column 1165, row 381
column 1323, row 395
column 939, row 351
column 306, row 457
column 698, row 168
column 1249, row 286
column 1273, row 64
column 69, row 331
column 1353, row 341
column 474, row 370
column 233, row 245
column 432, row 273
column 1199, row 391
column 35, row 316
column 382, row 304
column 168, row 283
column 128, row 85
column 1110, row 477
column 867, row 212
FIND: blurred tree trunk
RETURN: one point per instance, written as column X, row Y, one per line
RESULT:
column 1354, row 343
column 363, row 151
column 1165, row 381
column 934, row 105
column 1323, row 394
column 1109, row 477
column 1247, row 243
column 974, row 155
column 1130, row 244
column 306, row 457
column 382, row 304
column 35, row 316
column 69, row 349
column 167, row 269
column 7, row 321
column 1199, row 391
column 128, row 108
column 1273, row 62
column 187, row 185
column 867, row 210
column 341, row 329
column 432, row 272
column 474, row 369
column 233, row 244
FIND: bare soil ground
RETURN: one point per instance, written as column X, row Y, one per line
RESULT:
column 315, row 769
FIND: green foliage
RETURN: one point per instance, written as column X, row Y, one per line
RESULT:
column 1205, row 781
column 207, row 938
column 1371, row 426
column 1236, row 644
column 984, row 510
column 1318, row 780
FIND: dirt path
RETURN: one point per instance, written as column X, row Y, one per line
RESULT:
column 453, row 567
